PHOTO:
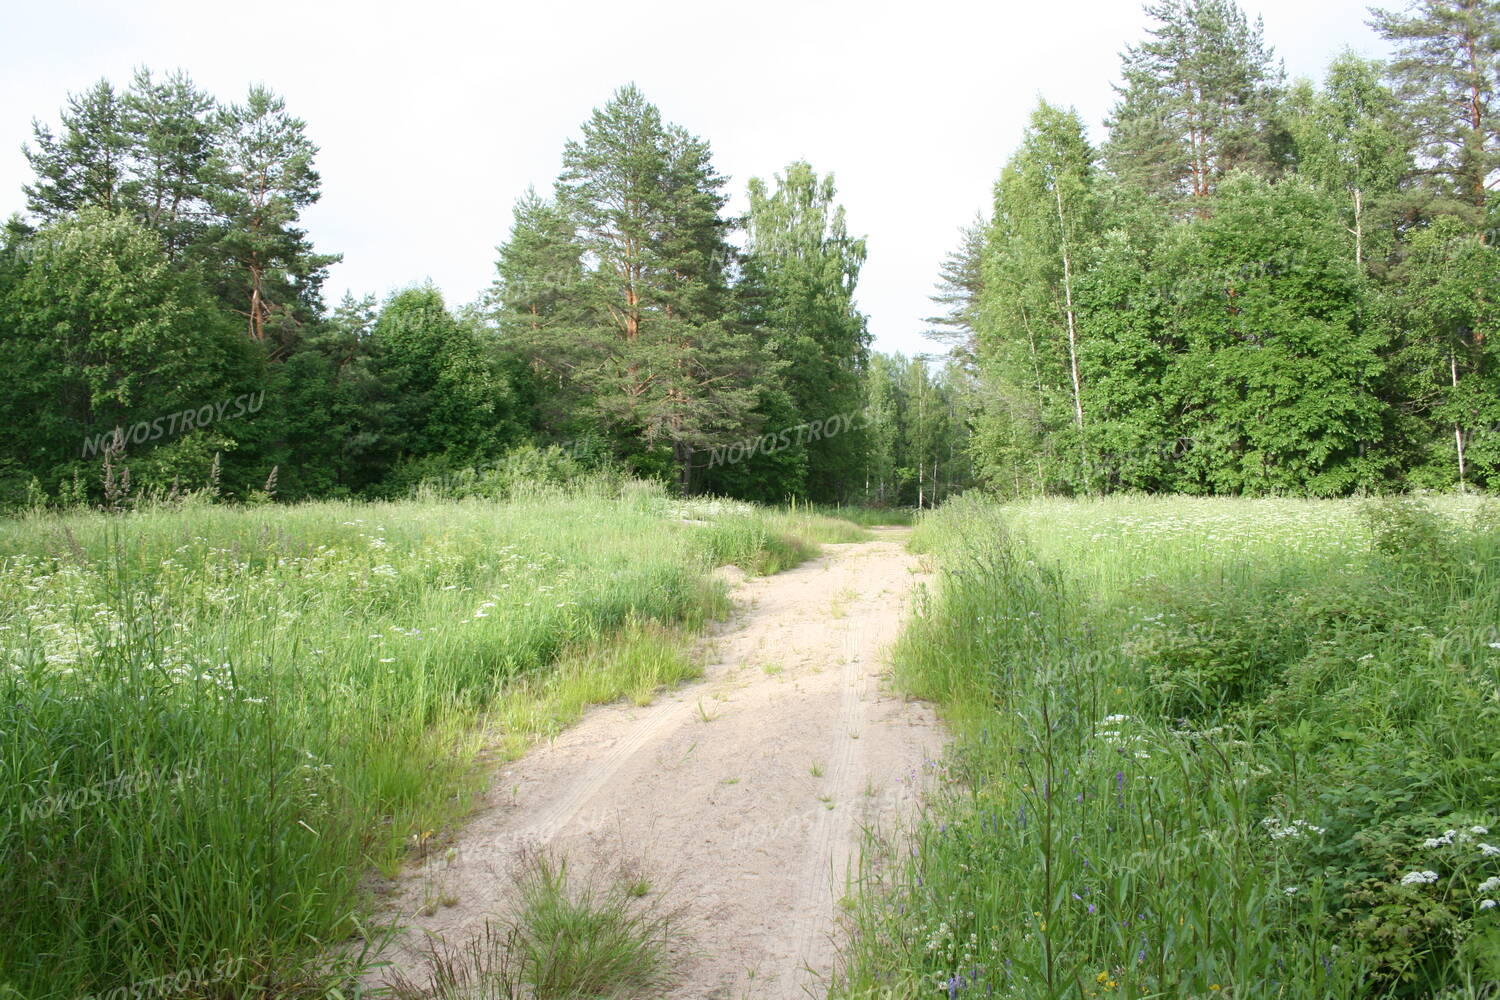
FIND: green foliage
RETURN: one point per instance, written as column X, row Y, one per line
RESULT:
column 1187, row 319
column 321, row 676
column 1448, row 71
column 1446, row 359
column 1046, row 211
column 99, row 332
column 808, row 267
column 521, row 472
column 1178, row 719
column 1274, row 360
column 1350, row 139
column 447, row 396
column 655, row 352
column 1199, row 100
column 915, row 425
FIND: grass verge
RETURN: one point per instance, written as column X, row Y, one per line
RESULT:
column 1204, row 749
column 214, row 721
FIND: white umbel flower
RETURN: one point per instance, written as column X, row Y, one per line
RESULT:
column 1419, row 878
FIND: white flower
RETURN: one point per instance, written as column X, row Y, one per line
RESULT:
column 1113, row 720
column 1490, row 884
column 1479, row 829
column 1495, row 645
column 1419, row 878
column 1296, row 828
column 1489, row 850
column 1291, row 890
column 1486, row 904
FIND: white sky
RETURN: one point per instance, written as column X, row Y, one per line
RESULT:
column 433, row 117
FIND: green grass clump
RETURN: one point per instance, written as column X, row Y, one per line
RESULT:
column 1205, row 748
column 642, row 660
column 215, row 721
column 597, row 937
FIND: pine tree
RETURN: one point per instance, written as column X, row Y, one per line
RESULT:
column 531, row 302
column 260, row 178
column 86, row 163
column 656, row 344
column 1447, row 71
column 170, row 128
column 1198, row 100
column 960, row 288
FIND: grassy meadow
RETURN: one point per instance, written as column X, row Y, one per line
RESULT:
column 1204, row 748
column 216, row 721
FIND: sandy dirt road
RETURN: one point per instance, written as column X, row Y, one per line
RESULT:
column 743, row 794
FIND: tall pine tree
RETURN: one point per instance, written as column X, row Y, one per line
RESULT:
column 656, row 342
column 1447, row 70
column 1198, row 100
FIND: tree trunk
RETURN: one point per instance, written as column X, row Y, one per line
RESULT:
column 1458, row 431
column 1359, row 229
column 1072, row 327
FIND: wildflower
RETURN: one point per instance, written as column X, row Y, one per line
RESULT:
column 1419, row 878
column 1486, row 904
column 1481, row 830
column 1489, row 850
column 1490, row 884
column 1292, row 890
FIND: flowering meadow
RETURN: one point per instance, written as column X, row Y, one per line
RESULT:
column 1205, row 748
column 217, row 722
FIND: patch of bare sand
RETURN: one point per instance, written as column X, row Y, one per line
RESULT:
column 744, row 794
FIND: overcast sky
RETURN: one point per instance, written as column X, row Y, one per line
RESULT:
column 434, row 116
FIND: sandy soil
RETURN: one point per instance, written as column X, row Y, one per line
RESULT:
column 743, row 795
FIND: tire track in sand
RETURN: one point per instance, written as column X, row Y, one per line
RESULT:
column 744, row 793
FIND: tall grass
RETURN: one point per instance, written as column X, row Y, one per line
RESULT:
column 1205, row 748
column 215, row 721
